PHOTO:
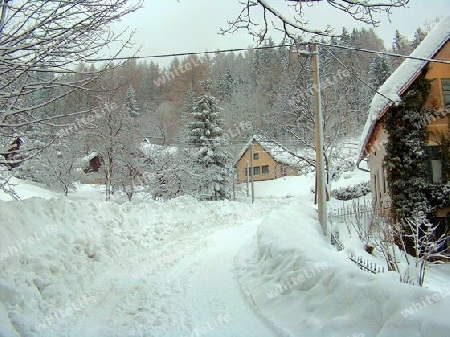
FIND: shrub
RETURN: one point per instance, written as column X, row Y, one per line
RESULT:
column 351, row 192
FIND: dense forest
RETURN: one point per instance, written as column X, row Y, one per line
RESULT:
column 271, row 88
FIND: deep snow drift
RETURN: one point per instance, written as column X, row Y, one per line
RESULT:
column 93, row 268
column 84, row 267
column 309, row 289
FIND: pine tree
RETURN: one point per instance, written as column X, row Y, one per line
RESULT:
column 379, row 71
column 225, row 85
column 131, row 103
column 189, row 102
column 207, row 136
column 401, row 46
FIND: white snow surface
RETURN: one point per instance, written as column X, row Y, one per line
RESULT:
column 351, row 178
column 80, row 266
column 309, row 289
column 401, row 78
column 94, row 268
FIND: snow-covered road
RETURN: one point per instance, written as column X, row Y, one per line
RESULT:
column 187, row 288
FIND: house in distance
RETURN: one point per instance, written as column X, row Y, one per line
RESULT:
column 270, row 160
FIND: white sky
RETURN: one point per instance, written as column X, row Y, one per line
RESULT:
column 169, row 26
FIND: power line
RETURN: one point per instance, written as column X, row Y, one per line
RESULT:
column 385, row 53
column 220, row 51
column 356, row 75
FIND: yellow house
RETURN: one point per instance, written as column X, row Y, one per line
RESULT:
column 270, row 160
column 436, row 45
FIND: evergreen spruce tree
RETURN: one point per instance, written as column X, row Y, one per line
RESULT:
column 207, row 136
column 189, row 103
column 131, row 103
column 379, row 71
column 225, row 85
column 400, row 45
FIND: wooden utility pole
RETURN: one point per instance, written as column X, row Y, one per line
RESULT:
column 252, row 172
column 318, row 121
column 248, row 178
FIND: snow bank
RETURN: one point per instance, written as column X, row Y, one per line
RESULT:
column 351, row 178
column 304, row 285
column 58, row 255
column 286, row 187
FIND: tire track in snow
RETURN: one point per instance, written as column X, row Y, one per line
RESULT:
column 209, row 290
column 188, row 291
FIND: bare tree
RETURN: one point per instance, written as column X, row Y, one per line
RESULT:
column 259, row 16
column 56, row 166
column 115, row 139
column 428, row 246
column 424, row 240
column 160, row 123
column 41, row 42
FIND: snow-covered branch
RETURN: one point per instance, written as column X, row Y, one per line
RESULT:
column 259, row 16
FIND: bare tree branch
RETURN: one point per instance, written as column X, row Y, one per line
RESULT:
column 291, row 20
column 41, row 45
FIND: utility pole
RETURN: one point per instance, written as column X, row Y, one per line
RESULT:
column 234, row 185
column 248, row 179
column 318, row 121
column 251, row 170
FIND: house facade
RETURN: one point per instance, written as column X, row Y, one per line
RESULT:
column 436, row 45
column 266, row 160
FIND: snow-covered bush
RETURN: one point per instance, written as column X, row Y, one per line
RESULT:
column 352, row 191
column 340, row 166
column 410, row 245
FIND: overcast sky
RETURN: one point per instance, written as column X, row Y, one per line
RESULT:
column 171, row 26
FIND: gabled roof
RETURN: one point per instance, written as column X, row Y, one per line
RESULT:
column 402, row 78
column 278, row 152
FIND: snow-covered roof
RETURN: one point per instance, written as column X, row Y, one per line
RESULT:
column 402, row 78
column 278, row 152
column 90, row 156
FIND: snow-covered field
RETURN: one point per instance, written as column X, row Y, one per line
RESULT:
column 80, row 266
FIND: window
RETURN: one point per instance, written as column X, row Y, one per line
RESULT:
column 446, row 90
column 257, row 171
column 434, row 164
column 265, row 169
column 255, row 156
